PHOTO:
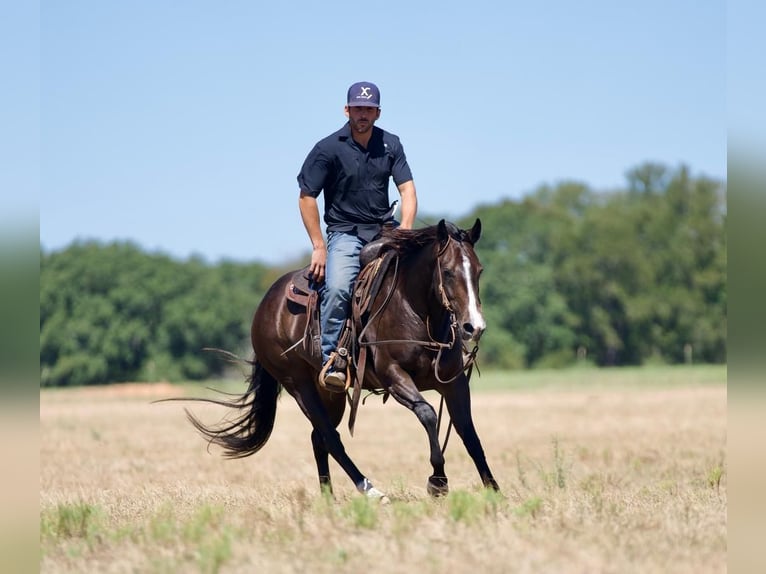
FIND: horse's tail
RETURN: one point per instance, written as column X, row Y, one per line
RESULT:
column 251, row 427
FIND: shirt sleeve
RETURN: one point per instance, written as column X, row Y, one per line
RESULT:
column 313, row 174
column 400, row 170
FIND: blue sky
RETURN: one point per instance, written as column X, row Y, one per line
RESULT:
column 182, row 125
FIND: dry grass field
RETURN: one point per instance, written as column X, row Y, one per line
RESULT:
column 601, row 471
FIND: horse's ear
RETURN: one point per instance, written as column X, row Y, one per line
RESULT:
column 441, row 232
column 475, row 232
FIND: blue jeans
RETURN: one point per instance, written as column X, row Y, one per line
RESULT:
column 340, row 273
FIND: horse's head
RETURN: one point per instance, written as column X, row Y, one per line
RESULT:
column 457, row 277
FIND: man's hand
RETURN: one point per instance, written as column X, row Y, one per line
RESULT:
column 310, row 217
column 318, row 263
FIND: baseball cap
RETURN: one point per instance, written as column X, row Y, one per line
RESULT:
column 363, row 94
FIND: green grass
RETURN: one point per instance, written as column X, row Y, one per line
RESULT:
column 530, row 507
column 471, row 507
column 69, row 521
column 548, row 379
column 584, row 377
column 80, row 529
column 362, row 512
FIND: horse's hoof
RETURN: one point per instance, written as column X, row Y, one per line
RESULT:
column 437, row 486
column 366, row 488
column 373, row 492
column 382, row 499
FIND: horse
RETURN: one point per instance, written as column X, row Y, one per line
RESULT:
column 415, row 337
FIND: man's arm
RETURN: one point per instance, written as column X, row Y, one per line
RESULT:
column 310, row 216
column 409, row 203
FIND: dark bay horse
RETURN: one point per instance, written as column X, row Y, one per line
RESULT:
column 426, row 312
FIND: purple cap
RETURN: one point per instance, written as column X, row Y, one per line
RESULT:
column 363, row 94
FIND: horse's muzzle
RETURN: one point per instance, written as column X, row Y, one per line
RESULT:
column 472, row 332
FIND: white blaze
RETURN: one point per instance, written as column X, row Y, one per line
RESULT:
column 474, row 313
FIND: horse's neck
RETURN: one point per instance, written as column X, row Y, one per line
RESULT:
column 422, row 293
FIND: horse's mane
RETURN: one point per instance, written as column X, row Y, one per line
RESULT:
column 406, row 241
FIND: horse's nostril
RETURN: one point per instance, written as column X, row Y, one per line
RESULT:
column 471, row 331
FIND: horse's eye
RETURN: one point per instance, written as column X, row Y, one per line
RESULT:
column 448, row 274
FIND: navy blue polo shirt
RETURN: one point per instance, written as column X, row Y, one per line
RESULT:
column 354, row 179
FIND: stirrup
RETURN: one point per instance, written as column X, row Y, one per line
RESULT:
column 339, row 383
column 335, row 381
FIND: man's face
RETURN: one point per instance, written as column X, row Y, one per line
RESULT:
column 362, row 118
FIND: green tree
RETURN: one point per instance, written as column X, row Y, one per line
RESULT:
column 114, row 313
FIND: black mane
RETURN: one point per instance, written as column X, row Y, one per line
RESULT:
column 405, row 241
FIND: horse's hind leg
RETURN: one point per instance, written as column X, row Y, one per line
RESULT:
column 457, row 397
column 312, row 405
column 322, row 458
column 335, row 404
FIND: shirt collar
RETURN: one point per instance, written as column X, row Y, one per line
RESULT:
column 344, row 133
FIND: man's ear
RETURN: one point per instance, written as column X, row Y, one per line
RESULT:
column 345, row 110
column 378, row 114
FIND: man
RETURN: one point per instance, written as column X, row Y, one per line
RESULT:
column 353, row 167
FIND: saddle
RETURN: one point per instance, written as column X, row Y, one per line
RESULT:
column 301, row 294
column 302, row 297
column 300, row 289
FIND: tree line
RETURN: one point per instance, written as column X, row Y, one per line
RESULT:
column 626, row 277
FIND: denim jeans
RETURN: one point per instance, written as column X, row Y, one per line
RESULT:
column 340, row 273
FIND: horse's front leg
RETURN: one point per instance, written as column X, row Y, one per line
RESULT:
column 405, row 392
column 457, row 397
